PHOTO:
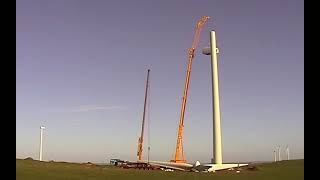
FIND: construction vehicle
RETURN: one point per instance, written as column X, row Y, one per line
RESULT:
column 140, row 141
column 179, row 154
column 116, row 162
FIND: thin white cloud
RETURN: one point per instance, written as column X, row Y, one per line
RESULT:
column 86, row 108
column 96, row 108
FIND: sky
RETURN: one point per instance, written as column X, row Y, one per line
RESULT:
column 81, row 72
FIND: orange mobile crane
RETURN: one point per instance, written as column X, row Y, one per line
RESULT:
column 140, row 141
column 179, row 156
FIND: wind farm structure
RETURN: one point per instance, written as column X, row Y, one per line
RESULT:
column 179, row 162
column 41, row 142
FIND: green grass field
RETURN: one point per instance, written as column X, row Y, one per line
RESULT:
column 35, row 170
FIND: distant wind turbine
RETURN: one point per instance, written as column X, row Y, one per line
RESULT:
column 41, row 140
column 279, row 153
column 287, row 152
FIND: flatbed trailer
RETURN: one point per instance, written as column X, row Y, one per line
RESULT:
column 139, row 165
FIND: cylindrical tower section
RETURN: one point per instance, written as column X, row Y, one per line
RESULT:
column 279, row 153
column 217, row 145
column 41, row 140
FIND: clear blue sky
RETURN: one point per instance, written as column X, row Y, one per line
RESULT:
column 81, row 70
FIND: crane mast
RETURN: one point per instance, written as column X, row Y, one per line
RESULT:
column 140, row 141
column 179, row 154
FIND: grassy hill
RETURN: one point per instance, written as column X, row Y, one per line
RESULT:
column 36, row 170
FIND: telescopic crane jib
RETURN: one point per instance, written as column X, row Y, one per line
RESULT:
column 140, row 141
column 179, row 155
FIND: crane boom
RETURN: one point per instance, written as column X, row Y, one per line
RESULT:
column 140, row 141
column 179, row 155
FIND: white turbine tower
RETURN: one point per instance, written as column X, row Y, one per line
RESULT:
column 275, row 155
column 41, row 139
column 217, row 140
column 287, row 152
column 279, row 153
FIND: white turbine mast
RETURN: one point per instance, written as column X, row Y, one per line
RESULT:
column 279, row 153
column 287, row 152
column 41, row 142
